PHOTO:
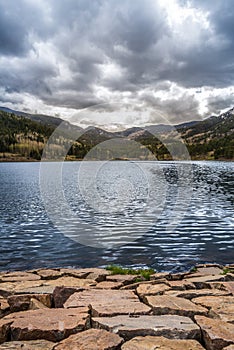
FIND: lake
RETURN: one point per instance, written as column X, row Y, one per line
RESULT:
column 125, row 218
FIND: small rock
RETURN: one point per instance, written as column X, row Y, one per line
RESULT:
column 9, row 288
column 198, row 266
column 4, row 307
column 151, row 289
column 170, row 326
column 78, row 273
column 4, row 330
column 209, row 271
column 61, row 294
column 225, row 286
column 216, row 333
column 164, row 304
column 181, row 285
column 49, row 274
column 95, row 274
column 90, row 340
column 153, row 343
column 229, row 286
column 229, row 277
column 49, row 324
column 159, row 275
column 109, row 285
column 28, row 345
column 36, row 305
column 176, row 276
column 22, row 302
column 124, row 279
column 108, row 302
column 193, row 293
column 68, row 281
column 18, row 276
column 222, row 307
column 37, row 290
column 136, row 284
column 203, row 282
column 98, row 275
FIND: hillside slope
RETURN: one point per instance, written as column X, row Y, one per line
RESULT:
column 23, row 137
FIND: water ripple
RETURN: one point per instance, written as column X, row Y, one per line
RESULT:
column 205, row 234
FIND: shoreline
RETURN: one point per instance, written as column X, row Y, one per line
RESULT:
column 31, row 160
column 101, row 309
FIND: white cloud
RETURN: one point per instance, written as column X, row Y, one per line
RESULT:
column 171, row 55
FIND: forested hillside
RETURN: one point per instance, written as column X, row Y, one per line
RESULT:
column 22, row 136
column 23, row 139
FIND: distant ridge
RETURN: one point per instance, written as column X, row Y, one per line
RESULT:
column 40, row 118
column 24, row 134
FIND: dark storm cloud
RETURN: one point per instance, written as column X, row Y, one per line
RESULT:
column 218, row 103
column 18, row 21
column 66, row 53
column 183, row 107
column 13, row 36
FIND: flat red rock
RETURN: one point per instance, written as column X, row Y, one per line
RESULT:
column 92, row 339
column 161, row 343
column 108, row 302
column 170, row 326
column 28, row 345
column 164, row 304
column 216, row 333
column 49, row 324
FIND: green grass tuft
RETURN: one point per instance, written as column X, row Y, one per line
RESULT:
column 193, row 269
column 225, row 271
column 118, row 270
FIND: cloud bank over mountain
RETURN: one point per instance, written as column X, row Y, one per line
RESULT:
column 58, row 57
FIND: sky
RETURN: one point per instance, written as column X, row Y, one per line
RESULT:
column 88, row 58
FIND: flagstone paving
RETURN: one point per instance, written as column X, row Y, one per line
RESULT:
column 84, row 309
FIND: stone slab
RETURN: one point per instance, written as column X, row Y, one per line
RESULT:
column 161, row 343
column 50, row 273
column 92, row 339
column 49, row 324
column 203, row 281
column 4, row 307
column 96, row 274
column 181, row 285
column 108, row 302
column 68, row 281
column 194, row 293
column 163, row 304
column 228, row 286
column 18, row 276
column 170, row 326
column 61, row 294
column 216, row 333
column 209, row 271
column 222, row 306
column 151, row 289
column 109, row 285
column 9, row 288
column 159, row 275
column 4, row 329
column 22, row 302
column 124, row 279
column 28, row 345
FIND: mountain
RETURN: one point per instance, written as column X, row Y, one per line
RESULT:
column 40, row 118
column 212, row 137
column 23, row 136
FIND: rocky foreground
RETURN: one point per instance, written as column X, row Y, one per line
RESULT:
column 91, row 309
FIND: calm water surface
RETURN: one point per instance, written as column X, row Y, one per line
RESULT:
column 29, row 238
